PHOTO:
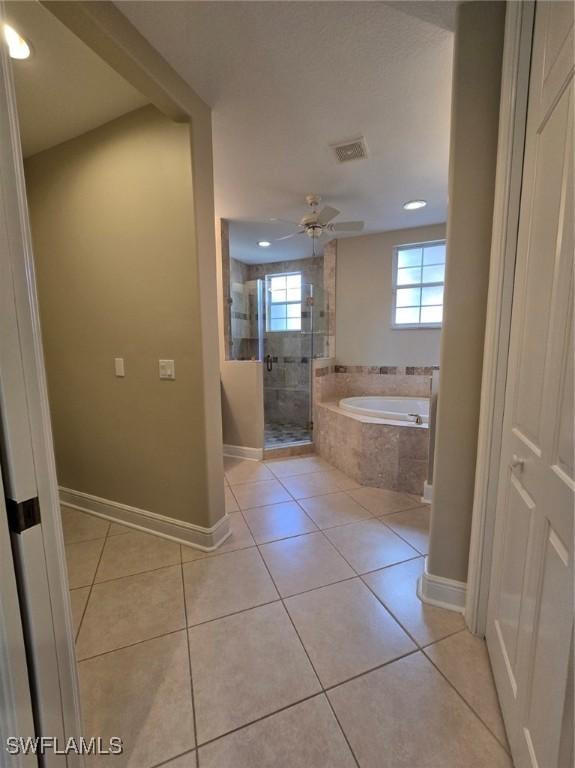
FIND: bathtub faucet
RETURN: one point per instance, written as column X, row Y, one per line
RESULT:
column 417, row 417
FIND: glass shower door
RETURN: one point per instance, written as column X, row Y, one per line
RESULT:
column 288, row 349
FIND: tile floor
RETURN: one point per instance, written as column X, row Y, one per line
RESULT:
column 301, row 643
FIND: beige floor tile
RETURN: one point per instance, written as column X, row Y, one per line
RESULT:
column 304, row 562
column 184, row 761
column 247, row 666
column 413, row 526
column 189, row 554
column 278, row 521
column 82, row 560
column 78, row 600
column 369, row 545
column 143, row 695
column 406, row 715
column 334, row 509
column 304, row 736
column 396, row 587
column 218, row 586
column 231, row 503
column 116, row 529
column 260, row 494
column 381, row 502
column 79, row 526
column 304, row 486
column 346, row 630
column 298, row 466
column 464, row 661
column 135, row 552
column 239, row 471
column 132, row 609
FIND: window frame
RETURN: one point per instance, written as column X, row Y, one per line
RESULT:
column 413, row 326
column 269, row 304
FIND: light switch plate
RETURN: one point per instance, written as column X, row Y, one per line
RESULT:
column 119, row 367
column 167, row 369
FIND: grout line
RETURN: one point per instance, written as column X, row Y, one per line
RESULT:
column 234, row 613
column 393, row 616
column 190, row 664
column 176, row 757
column 260, row 719
column 371, row 669
column 91, row 587
column 462, row 697
column 309, row 659
column 409, row 544
column 131, row 645
column 139, row 573
column 444, row 637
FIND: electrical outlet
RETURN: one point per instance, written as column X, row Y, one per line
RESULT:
column 167, row 370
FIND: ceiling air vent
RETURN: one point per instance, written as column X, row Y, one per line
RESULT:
column 350, row 150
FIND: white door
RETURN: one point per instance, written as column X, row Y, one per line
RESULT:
column 530, row 615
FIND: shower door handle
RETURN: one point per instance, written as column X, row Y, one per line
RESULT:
column 269, row 363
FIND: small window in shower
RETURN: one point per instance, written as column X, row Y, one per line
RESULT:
column 284, row 302
column 418, row 276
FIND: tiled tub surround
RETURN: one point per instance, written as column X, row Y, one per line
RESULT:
column 373, row 453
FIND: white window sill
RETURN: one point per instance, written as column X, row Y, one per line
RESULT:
column 417, row 327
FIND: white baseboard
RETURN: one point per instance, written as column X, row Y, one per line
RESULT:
column 243, row 452
column 197, row 536
column 442, row 592
column 427, row 493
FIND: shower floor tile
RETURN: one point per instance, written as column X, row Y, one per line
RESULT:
column 285, row 434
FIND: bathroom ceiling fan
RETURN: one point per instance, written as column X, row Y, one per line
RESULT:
column 317, row 223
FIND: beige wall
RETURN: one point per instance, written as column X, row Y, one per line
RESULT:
column 242, row 403
column 364, row 298
column 112, row 216
column 473, row 152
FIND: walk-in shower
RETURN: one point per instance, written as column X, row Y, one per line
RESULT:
column 277, row 315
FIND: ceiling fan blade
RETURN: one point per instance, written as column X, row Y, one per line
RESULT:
column 347, row 226
column 327, row 214
column 286, row 221
column 287, row 237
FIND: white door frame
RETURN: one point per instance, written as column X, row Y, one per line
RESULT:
column 509, row 171
column 29, row 464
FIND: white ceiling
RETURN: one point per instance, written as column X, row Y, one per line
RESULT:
column 287, row 79
column 64, row 89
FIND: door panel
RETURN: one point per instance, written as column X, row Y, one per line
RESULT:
column 519, row 519
column 530, row 616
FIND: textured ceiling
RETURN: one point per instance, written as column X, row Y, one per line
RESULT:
column 64, row 89
column 287, row 79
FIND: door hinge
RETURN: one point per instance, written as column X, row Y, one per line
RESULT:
column 23, row 514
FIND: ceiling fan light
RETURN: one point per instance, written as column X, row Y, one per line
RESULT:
column 18, row 48
column 414, row 205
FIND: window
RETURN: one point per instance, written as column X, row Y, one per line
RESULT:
column 284, row 302
column 418, row 275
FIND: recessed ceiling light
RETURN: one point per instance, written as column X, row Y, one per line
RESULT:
column 413, row 205
column 264, row 243
column 17, row 46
